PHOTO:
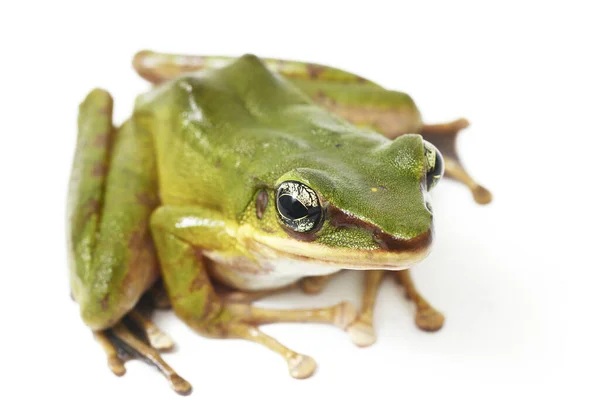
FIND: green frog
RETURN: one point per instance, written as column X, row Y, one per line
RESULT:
column 237, row 178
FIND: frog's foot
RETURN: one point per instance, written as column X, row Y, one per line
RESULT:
column 242, row 321
column 443, row 136
column 361, row 329
column 314, row 284
column 427, row 318
column 120, row 344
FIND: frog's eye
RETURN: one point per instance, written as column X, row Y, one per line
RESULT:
column 434, row 163
column 298, row 206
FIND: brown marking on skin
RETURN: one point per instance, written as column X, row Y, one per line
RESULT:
column 106, row 110
column 387, row 242
column 262, row 200
column 104, row 302
column 388, row 121
column 134, row 240
column 102, row 139
column 93, row 206
column 146, row 199
column 197, row 284
column 99, row 169
column 314, row 70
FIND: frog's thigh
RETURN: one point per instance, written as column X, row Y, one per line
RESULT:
column 178, row 233
column 112, row 194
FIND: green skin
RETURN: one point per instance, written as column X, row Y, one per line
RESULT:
column 180, row 179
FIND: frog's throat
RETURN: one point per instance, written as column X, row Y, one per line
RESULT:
column 403, row 254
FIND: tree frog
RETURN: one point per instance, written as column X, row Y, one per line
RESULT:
column 237, row 178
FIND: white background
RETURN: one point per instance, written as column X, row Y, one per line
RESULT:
column 517, row 280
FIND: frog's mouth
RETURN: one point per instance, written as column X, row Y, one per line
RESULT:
column 393, row 254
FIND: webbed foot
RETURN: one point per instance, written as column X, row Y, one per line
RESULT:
column 121, row 344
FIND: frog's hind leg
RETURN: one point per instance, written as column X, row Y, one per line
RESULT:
column 120, row 344
column 160, row 67
column 137, row 347
column 112, row 193
column 443, row 136
column 427, row 318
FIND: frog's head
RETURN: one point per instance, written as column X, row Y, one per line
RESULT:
column 358, row 211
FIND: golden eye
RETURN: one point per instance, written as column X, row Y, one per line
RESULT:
column 434, row 163
column 298, row 206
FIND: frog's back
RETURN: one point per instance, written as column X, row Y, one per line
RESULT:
column 219, row 133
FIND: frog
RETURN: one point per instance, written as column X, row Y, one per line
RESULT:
column 236, row 178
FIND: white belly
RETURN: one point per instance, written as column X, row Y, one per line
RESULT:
column 245, row 274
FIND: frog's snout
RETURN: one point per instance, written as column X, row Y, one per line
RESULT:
column 386, row 241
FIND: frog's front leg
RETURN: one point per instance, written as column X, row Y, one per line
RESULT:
column 361, row 330
column 181, row 234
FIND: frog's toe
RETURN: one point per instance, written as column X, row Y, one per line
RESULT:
column 481, row 195
column 160, row 340
column 157, row 338
column 121, row 344
column 429, row 319
column 115, row 363
column 138, row 348
column 180, row 385
column 301, row 366
column 361, row 333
